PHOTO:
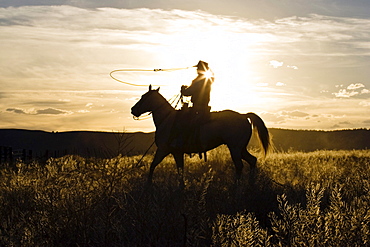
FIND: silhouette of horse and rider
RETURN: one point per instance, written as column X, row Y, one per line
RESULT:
column 196, row 129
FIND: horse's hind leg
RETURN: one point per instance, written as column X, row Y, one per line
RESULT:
column 249, row 158
column 252, row 163
column 236, row 156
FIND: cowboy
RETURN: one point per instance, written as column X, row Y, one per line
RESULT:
column 187, row 132
column 200, row 89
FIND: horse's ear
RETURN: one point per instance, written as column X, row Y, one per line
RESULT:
column 158, row 88
column 150, row 87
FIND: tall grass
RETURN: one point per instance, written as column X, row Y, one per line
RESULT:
column 320, row 198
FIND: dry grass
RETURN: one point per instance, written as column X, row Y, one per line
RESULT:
column 320, row 198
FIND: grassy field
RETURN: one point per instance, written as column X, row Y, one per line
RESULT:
column 319, row 198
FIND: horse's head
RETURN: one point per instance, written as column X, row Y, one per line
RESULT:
column 147, row 102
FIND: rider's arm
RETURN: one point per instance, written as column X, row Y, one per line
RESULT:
column 193, row 88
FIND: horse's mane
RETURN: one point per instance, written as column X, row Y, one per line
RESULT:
column 163, row 99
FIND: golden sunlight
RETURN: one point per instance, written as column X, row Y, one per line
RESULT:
column 208, row 74
column 230, row 59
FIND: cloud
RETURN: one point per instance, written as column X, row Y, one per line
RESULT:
column 247, row 8
column 351, row 90
column 48, row 111
column 283, row 116
column 292, row 66
column 51, row 48
column 83, row 111
column 355, row 86
column 343, row 93
column 280, row 84
column 276, row 64
column 16, row 110
column 272, row 117
column 51, row 111
column 294, row 114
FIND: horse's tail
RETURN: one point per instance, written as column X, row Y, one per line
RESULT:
column 263, row 133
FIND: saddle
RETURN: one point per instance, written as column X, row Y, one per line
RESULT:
column 186, row 129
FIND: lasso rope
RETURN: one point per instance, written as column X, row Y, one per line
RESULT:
column 141, row 70
column 139, row 85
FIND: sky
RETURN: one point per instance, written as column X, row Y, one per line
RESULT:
column 297, row 64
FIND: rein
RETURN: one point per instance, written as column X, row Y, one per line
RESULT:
column 177, row 97
column 160, row 106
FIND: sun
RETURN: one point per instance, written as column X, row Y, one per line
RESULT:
column 208, row 74
column 231, row 60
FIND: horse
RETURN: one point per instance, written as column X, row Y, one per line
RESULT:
column 224, row 127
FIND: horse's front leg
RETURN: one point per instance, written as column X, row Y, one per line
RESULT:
column 179, row 158
column 158, row 157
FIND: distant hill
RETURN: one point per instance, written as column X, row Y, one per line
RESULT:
column 84, row 143
column 311, row 140
column 110, row 144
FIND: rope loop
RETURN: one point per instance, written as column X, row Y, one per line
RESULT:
column 141, row 70
column 173, row 99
